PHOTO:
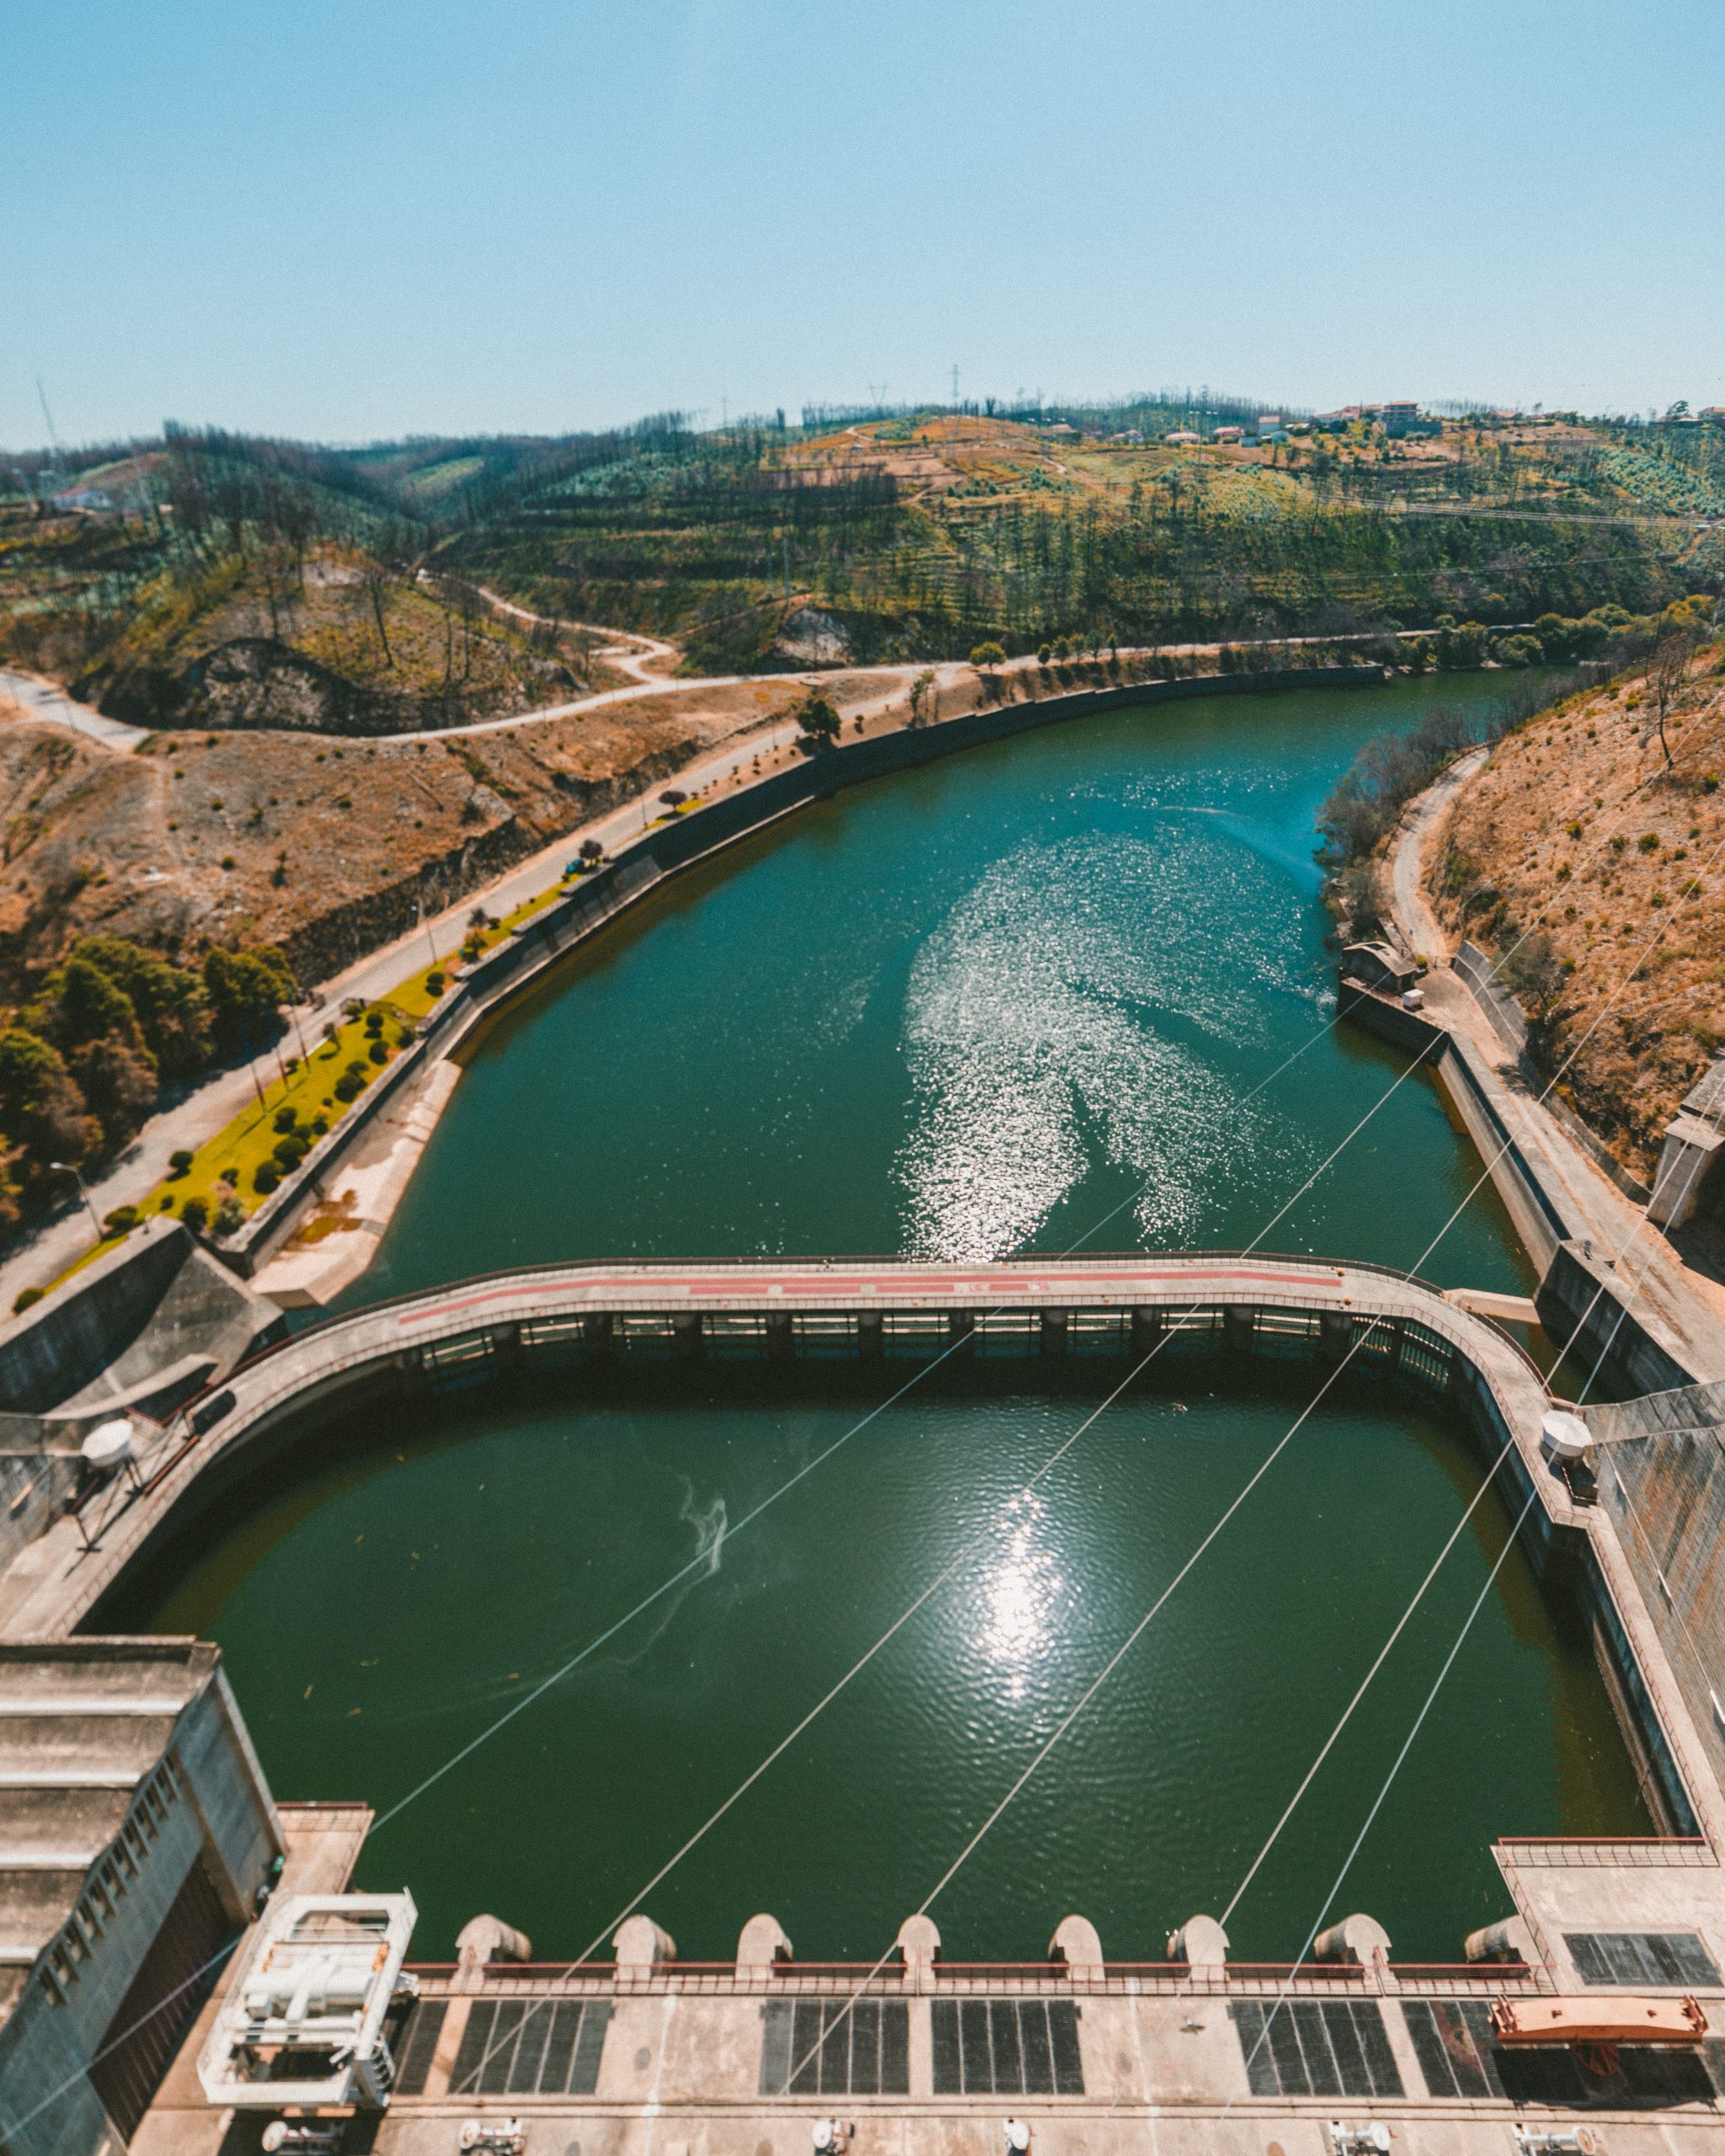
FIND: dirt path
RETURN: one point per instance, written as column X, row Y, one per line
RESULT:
column 42, row 700
column 1407, row 863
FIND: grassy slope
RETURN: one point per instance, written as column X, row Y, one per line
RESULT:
column 1580, row 834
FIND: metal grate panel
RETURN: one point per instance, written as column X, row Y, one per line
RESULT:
column 416, row 2045
column 529, row 2047
column 1315, row 2047
column 1452, row 2040
column 817, row 2047
column 1635, row 1958
column 1006, row 2047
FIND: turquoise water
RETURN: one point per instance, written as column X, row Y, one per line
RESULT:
column 1022, row 999
column 1016, row 998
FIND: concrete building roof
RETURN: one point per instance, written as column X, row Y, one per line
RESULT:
column 83, row 1725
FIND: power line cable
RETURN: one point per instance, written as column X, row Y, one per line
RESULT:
column 1331, row 1379
column 1329, row 1900
column 216, row 1961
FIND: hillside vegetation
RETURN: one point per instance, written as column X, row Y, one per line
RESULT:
column 212, row 579
column 300, row 630
column 1591, row 851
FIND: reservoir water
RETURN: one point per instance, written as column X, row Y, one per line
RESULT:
column 1023, row 998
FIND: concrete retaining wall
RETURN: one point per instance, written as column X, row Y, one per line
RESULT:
column 60, row 1347
column 1580, row 1298
column 1661, row 1470
column 1580, row 1301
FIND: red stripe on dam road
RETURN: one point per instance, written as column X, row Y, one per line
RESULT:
column 840, row 1286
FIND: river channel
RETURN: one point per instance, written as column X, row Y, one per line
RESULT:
column 1030, row 997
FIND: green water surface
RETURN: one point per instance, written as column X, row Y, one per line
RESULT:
column 1023, row 999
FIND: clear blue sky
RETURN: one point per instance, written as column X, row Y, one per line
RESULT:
column 345, row 219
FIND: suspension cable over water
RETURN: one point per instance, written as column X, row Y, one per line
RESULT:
column 695, row 1564
column 214, row 1962
column 1331, row 1379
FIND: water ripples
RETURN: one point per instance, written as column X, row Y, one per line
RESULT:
column 1048, row 1022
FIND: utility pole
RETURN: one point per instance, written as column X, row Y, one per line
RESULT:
column 66, row 1167
column 53, row 438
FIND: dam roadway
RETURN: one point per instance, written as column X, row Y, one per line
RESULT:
column 553, row 1319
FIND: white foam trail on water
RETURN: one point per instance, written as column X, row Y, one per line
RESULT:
column 1045, row 1021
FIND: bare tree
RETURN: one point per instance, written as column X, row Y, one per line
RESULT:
column 1667, row 677
column 375, row 578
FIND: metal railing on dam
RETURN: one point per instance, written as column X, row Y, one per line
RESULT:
column 553, row 1321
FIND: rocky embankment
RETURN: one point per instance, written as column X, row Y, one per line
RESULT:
column 1595, row 862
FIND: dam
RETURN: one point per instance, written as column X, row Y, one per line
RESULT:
column 408, row 1518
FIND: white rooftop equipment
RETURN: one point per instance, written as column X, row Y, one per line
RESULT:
column 110, row 1445
column 1566, row 1436
column 303, row 2022
column 492, row 2138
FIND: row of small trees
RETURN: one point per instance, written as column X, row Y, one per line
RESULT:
column 83, row 1063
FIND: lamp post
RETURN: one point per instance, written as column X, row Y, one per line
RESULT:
column 66, row 1168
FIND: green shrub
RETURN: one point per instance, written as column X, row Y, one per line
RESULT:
column 379, row 1051
column 230, row 1217
column 349, row 1085
column 26, row 1297
column 286, row 1118
column 290, row 1151
column 435, row 981
column 121, row 1220
column 195, row 1213
column 179, row 1162
column 265, row 1177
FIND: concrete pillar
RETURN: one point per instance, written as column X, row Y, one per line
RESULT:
column 919, row 1939
column 1335, row 1334
column 763, row 1944
column 485, row 1940
column 961, row 1329
column 1053, row 1332
column 1359, row 1939
column 685, row 1325
column 595, row 1331
column 1509, row 1941
column 1200, row 1942
column 1148, row 1326
column 1689, row 1161
column 1078, row 1946
column 1239, row 1323
column 869, row 1339
column 640, row 1946
column 778, row 1336
column 506, row 1349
